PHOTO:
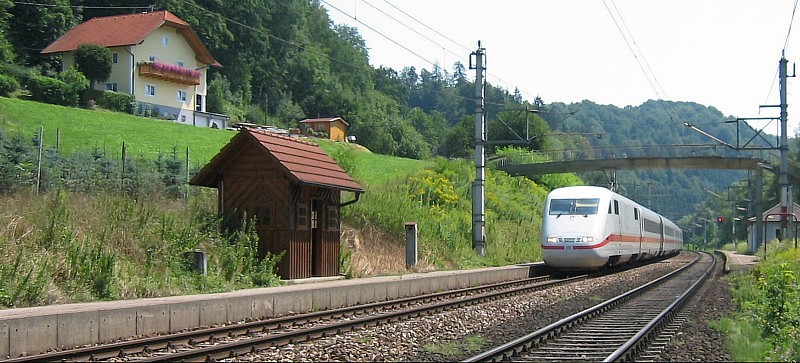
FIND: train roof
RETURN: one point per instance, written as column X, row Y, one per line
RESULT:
column 581, row 191
column 588, row 191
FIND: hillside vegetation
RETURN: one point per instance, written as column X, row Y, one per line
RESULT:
column 99, row 238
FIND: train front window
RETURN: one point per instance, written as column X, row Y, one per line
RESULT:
column 576, row 206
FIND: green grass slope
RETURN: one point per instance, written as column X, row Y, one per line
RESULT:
column 74, row 129
column 434, row 193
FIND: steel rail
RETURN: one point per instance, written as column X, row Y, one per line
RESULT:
column 193, row 337
column 254, row 344
column 512, row 349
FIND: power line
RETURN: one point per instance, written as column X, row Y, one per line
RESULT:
column 301, row 46
column 379, row 33
column 425, row 25
column 633, row 52
column 287, row 42
column 637, row 52
column 355, row 18
column 786, row 42
column 636, row 45
column 80, row 6
column 412, row 29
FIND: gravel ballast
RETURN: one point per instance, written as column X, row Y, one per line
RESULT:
column 461, row 333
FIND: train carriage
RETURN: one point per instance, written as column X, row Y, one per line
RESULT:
column 586, row 227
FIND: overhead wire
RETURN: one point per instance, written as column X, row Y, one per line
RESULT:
column 489, row 74
column 625, row 37
column 80, row 6
column 637, row 53
column 636, row 45
column 783, row 52
column 295, row 44
column 395, row 42
column 410, row 28
column 379, row 33
column 426, row 26
column 788, row 32
column 287, row 42
column 405, row 13
column 355, row 18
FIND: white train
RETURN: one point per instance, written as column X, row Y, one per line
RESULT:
column 587, row 227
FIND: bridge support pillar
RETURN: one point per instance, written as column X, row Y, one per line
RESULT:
column 758, row 193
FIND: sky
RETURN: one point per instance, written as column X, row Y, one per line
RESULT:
column 719, row 53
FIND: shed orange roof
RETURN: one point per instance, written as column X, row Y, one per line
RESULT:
column 126, row 30
column 304, row 161
column 324, row 119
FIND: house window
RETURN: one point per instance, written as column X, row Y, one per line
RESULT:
column 302, row 217
column 181, row 96
column 179, row 63
column 152, row 58
column 115, row 58
column 314, row 219
column 333, row 218
column 111, row 86
column 164, row 40
column 150, row 90
column 263, row 215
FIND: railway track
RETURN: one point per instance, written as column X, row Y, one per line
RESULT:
column 620, row 328
column 232, row 340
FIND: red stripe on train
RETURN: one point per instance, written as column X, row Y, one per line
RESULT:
column 612, row 238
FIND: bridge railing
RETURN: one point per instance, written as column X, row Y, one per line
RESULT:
column 652, row 151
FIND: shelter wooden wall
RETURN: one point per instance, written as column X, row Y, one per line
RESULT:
column 303, row 221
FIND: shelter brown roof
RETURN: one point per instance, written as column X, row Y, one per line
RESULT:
column 125, row 30
column 304, row 161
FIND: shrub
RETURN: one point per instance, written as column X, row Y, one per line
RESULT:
column 20, row 73
column 7, row 85
column 49, row 90
column 76, row 84
column 116, row 101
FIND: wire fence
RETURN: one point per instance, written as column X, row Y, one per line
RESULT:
column 29, row 162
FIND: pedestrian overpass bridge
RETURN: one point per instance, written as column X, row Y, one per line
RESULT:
column 640, row 157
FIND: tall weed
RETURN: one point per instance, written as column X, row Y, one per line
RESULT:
column 438, row 199
column 769, row 297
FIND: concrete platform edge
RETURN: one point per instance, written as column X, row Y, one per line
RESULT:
column 28, row 331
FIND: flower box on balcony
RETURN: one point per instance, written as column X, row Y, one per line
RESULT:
column 169, row 72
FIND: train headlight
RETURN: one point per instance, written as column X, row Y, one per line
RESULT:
column 552, row 239
column 588, row 239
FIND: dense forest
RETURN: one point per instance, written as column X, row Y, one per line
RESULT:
column 285, row 60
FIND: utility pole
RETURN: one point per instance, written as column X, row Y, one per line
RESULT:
column 478, row 186
column 786, row 188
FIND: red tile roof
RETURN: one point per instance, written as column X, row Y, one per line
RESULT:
column 304, row 161
column 126, row 30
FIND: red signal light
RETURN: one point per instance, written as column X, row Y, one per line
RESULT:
column 719, row 219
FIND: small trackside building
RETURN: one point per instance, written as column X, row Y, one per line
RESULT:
column 293, row 190
column 335, row 127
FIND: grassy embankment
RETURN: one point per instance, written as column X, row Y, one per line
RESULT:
column 767, row 325
column 134, row 245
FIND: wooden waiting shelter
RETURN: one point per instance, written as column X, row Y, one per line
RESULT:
column 293, row 190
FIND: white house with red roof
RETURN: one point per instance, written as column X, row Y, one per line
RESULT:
column 156, row 57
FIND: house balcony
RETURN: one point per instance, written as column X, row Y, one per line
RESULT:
column 169, row 72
